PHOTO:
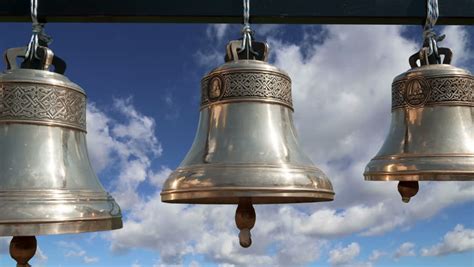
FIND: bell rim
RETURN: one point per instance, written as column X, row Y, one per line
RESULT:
column 40, row 212
column 420, row 176
column 425, row 155
column 433, row 167
column 60, row 227
column 232, row 195
column 314, row 187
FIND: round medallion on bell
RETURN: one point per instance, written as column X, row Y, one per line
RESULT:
column 246, row 150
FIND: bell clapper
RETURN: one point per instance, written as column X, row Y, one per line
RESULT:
column 407, row 189
column 22, row 249
column 245, row 220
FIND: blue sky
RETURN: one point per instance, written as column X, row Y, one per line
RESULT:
column 142, row 82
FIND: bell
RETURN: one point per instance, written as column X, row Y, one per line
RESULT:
column 47, row 184
column 431, row 136
column 246, row 151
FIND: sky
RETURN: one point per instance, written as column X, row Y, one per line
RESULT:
column 143, row 87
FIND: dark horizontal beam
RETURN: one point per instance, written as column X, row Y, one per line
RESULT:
column 459, row 12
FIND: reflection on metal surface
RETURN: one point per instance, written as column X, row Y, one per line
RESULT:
column 246, row 151
column 47, row 185
column 431, row 136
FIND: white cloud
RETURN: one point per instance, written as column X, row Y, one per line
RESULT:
column 209, row 59
column 405, row 250
column 178, row 230
column 128, row 143
column 290, row 251
column 212, row 54
column 40, row 255
column 217, row 31
column 162, row 227
column 40, row 258
column 456, row 241
column 265, row 29
column 158, row 178
column 89, row 260
column 457, row 39
column 345, row 255
column 173, row 110
column 75, row 253
column 376, row 255
column 74, row 250
column 329, row 222
column 100, row 143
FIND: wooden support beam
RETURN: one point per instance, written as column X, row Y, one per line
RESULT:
column 459, row 12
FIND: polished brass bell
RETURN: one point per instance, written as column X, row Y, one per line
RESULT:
column 47, row 184
column 431, row 136
column 246, row 151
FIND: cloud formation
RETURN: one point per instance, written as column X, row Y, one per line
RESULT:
column 345, row 255
column 406, row 249
column 126, row 141
column 458, row 240
column 74, row 250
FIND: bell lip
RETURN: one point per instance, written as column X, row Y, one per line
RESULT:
column 430, row 167
column 34, row 212
column 232, row 195
column 60, row 227
column 419, row 155
column 311, row 185
column 420, row 176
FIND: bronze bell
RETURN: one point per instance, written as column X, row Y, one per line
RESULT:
column 246, row 151
column 47, row 184
column 431, row 136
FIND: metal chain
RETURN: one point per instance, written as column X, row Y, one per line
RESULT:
column 429, row 35
column 38, row 32
column 247, row 33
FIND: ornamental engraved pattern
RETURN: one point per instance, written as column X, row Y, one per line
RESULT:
column 443, row 91
column 36, row 103
column 252, row 85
